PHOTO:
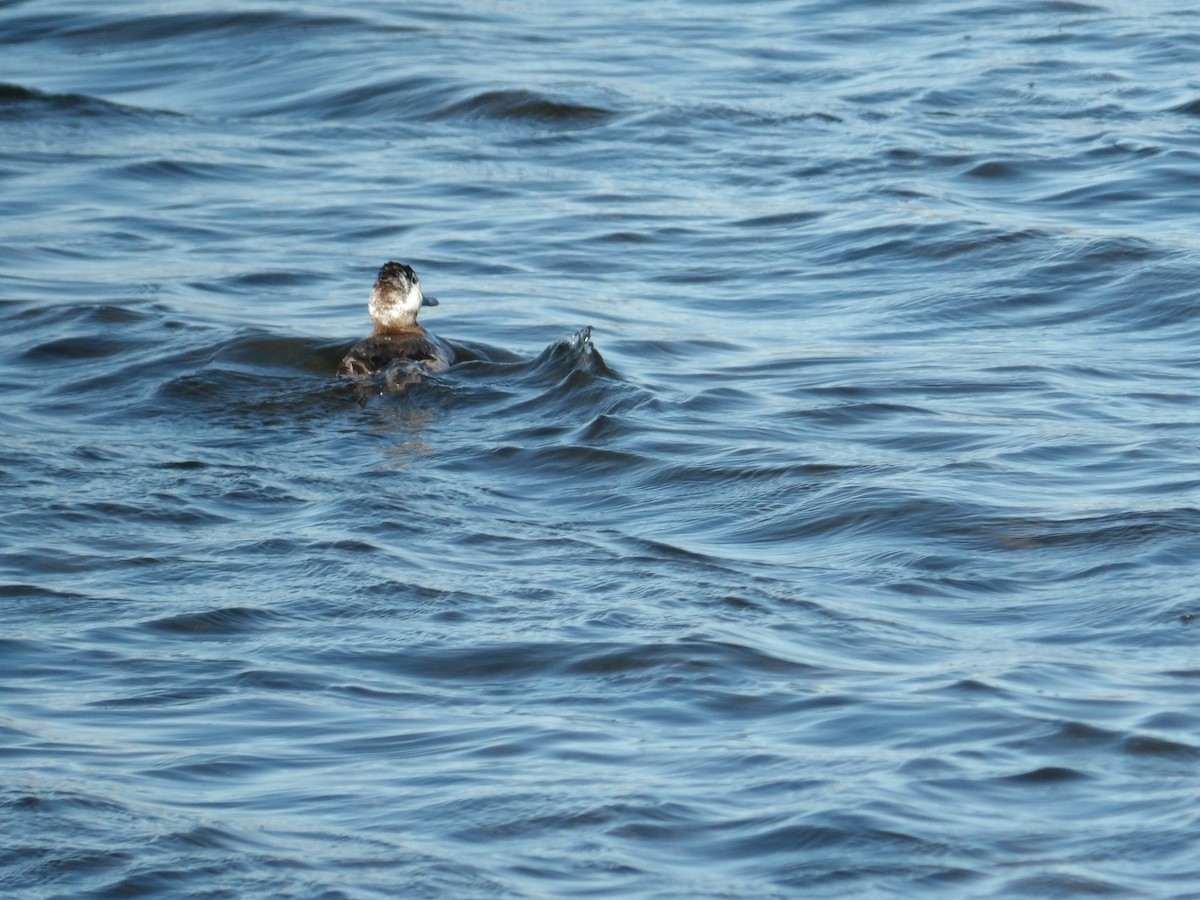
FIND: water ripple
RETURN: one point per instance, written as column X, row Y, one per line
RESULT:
column 849, row 548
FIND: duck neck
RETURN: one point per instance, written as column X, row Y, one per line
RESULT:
column 407, row 328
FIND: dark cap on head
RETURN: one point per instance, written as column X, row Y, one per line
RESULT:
column 397, row 273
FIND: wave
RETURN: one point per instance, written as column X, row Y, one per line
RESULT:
column 18, row 101
column 525, row 106
column 112, row 30
column 426, row 98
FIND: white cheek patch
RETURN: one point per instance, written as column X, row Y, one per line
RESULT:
column 389, row 310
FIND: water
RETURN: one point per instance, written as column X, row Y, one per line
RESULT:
column 853, row 550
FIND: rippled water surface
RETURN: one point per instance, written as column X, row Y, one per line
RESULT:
column 813, row 511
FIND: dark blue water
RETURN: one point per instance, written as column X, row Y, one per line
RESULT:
column 853, row 550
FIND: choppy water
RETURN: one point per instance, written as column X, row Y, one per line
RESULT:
column 855, row 551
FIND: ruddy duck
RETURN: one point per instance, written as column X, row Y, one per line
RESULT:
column 398, row 347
